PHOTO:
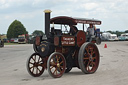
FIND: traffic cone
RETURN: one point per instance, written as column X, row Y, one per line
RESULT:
column 105, row 46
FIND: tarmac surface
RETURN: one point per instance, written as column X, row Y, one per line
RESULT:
column 113, row 67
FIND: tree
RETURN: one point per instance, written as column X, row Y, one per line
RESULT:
column 16, row 28
column 38, row 33
column 109, row 31
column 126, row 31
column 118, row 33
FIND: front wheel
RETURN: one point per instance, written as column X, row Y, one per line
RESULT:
column 88, row 58
column 56, row 64
column 36, row 65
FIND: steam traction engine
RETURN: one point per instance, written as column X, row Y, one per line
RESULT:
column 63, row 50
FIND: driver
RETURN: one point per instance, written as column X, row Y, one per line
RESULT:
column 73, row 29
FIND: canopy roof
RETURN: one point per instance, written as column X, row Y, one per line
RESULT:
column 73, row 21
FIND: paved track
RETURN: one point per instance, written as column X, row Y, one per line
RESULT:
column 113, row 68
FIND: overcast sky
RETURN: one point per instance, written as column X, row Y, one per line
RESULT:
column 112, row 13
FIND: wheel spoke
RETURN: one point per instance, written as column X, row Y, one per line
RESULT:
column 40, row 64
column 84, row 61
column 86, row 58
column 33, row 59
column 33, row 70
column 59, row 58
column 85, row 54
column 56, row 57
column 88, row 69
column 38, row 69
column 54, row 61
column 31, row 63
column 61, row 62
column 91, row 51
column 51, row 67
column 59, row 70
column 87, row 50
column 93, row 58
column 52, row 64
column 88, row 66
column 55, row 70
column 61, row 67
column 31, row 67
column 93, row 63
column 39, row 59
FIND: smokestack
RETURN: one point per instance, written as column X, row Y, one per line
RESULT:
column 47, row 21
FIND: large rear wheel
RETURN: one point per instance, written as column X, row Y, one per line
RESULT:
column 88, row 58
column 56, row 64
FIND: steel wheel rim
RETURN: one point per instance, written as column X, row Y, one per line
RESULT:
column 91, row 58
column 35, row 65
column 56, row 65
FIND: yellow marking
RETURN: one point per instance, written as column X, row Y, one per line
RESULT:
column 47, row 11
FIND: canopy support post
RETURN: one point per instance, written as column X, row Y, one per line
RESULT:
column 83, row 27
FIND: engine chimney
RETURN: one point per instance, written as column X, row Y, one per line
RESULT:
column 47, row 21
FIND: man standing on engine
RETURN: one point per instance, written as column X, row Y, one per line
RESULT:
column 91, row 31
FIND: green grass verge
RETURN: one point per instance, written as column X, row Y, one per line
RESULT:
column 11, row 44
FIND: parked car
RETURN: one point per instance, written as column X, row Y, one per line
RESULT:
column 125, row 35
column 15, row 40
column 12, row 40
column 122, row 38
column 126, row 38
column 5, row 40
column 106, row 36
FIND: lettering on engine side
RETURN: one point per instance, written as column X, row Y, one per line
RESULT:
column 68, row 41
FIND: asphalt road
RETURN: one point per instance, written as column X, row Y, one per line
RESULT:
column 113, row 67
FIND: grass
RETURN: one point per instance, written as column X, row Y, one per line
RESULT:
column 10, row 43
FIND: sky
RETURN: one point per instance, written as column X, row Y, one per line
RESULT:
column 112, row 13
